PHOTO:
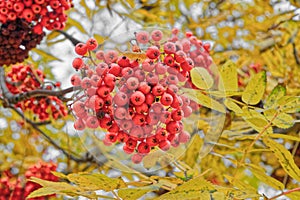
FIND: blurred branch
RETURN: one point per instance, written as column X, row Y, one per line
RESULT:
column 296, row 54
column 15, row 98
column 69, row 37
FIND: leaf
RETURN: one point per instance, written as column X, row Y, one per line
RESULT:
column 284, row 157
column 281, row 120
column 228, row 77
column 192, row 151
column 231, row 105
column 99, row 38
column 267, row 179
column 256, row 120
column 204, row 100
column 196, row 188
column 201, row 78
column 278, row 92
column 289, row 104
column 76, row 24
column 62, row 188
column 46, row 56
column 286, row 137
column 255, row 89
column 59, row 175
column 94, row 182
column 151, row 159
column 135, row 193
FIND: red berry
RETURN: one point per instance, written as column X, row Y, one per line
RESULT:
column 156, row 35
column 166, row 99
column 164, row 145
column 152, row 52
column 81, row 49
column 137, row 158
column 184, row 137
column 142, row 37
column 137, row 98
column 120, row 99
column 132, row 83
column 143, row 148
column 92, row 44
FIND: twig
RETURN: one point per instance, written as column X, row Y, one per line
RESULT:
column 69, row 37
column 284, row 193
column 15, row 98
column 296, row 54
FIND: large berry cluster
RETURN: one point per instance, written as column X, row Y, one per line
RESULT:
column 23, row 78
column 16, row 188
column 135, row 95
column 16, row 39
column 22, row 23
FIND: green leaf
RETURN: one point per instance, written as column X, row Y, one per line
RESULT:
column 281, row 120
column 228, row 77
column 278, row 92
column 231, row 105
column 201, row 78
column 196, row 188
column 255, row 89
column 94, row 182
column 204, row 100
column 267, row 179
column 284, row 157
column 136, row 193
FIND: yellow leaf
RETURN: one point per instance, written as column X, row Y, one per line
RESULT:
column 52, row 35
column 286, row 137
column 94, row 182
column 196, row 188
column 228, row 77
column 76, row 24
column 45, row 55
column 59, row 175
column 192, row 152
column 152, row 158
column 255, row 89
column 231, row 105
column 204, row 100
column 289, row 104
column 267, row 179
column 136, row 193
column 281, row 120
column 284, row 157
column 278, row 92
column 256, row 120
column 99, row 38
column 201, row 78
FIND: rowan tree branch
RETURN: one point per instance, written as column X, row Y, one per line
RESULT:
column 15, row 98
column 69, row 37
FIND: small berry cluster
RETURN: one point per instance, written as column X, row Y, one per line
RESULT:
column 245, row 73
column 16, row 188
column 16, row 40
column 22, row 23
column 135, row 95
column 23, row 78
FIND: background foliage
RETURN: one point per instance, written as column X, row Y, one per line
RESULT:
column 253, row 42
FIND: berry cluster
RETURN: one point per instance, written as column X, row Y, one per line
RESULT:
column 245, row 73
column 23, row 78
column 16, row 188
column 135, row 95
column 22, row 23
column 16, row 40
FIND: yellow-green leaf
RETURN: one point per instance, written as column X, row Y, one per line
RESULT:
column 284, row 157
column 267, row 179
column 152, row 158
column 281, row 120
column 278, row 92
column 45, row 55
column 204, row 100
column 136, row 193
column 228, row 77
column 231, row 105
column 286, row 137
column 196, row 188
column 256, row 120
column 201, row 78
column 59, row 175
column 94, row 182
column 255, row 89
column 99, row 38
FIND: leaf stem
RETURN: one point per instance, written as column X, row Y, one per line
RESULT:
column 285, row 193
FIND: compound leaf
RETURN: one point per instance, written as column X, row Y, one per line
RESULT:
column 201, row 78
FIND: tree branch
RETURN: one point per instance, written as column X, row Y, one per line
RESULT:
column 15, row 98
column 69, row 37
